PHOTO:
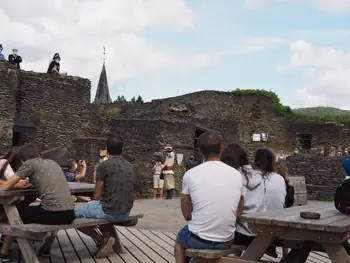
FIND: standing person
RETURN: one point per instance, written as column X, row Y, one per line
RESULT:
column 282, row 170
column 2, row 58
column 15, row 59
column 102, row 157
column 253, row 190
column 191, row 163
column 158, row 183
column 169, row 180
column 115, row 192
column 56, row 207
column 54, row 67
column 211, row 200
column 281, row 157
column 275, row 188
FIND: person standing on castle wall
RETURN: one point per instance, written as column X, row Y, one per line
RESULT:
column 346, row 152
column 339, row 152
column 332, row 152
column 169, row 180
column 15, row 59
column 281, row 157
column 54, row 67
column 2, row 58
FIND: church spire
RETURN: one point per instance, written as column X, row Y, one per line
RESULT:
column 102, row 93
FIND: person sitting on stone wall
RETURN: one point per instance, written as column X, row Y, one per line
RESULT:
column 15, row 59
column 2, row 57
column 191, row 163
column 115, row 193
column 54, row 67
column 76, row 173
column 211, row 200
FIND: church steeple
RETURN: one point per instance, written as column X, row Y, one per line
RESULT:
column 102, row 93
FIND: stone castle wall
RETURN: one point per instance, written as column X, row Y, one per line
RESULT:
column 322, row 174
column 7, row 109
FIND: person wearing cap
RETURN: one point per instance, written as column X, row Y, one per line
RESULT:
column 54, row 67
column 169, row 180
column 2, row 58
column 15, row 59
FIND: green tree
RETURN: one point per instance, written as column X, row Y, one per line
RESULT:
column 133, row 100
column 123, row 99
column 139, row 99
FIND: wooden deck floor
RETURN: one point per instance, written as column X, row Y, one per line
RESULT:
column 143, row 246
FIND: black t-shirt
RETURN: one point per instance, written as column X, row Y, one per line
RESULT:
column 15, row 60
column 53, row 65
column 191, row 164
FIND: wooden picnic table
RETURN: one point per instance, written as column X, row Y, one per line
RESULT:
column 301, row 235
column 8, row 200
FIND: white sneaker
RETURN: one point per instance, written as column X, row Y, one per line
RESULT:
column 105, row 249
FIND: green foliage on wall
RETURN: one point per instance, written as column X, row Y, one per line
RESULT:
column 286, row 110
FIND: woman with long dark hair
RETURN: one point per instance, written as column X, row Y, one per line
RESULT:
column 253, row 189
column 9, row 163
column 275, row 188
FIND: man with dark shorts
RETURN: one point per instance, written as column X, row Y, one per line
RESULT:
column 56, row 207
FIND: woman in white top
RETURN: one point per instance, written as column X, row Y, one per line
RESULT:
column 253, row 189
column 275, row 187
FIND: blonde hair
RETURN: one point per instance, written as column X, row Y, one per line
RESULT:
column 282, row 170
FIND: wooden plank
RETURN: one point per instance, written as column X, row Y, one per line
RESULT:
column 134, row 250
column 158, row 241
column 154, row 246
column 173, row 236
column 36, row 246
column 67, row 247
column 79, row 247
column 336, row 253
column 142, row 246
column 266, row 217
column 78, row 223
column 164, row 237
column 77, row 188
column 57, row 254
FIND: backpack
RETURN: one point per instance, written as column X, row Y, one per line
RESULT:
column 289, row 201
column 342, row 197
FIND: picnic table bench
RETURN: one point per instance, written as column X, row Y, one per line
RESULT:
column 26, row 232
column 287, row 229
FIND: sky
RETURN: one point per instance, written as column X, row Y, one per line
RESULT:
column 299, row 49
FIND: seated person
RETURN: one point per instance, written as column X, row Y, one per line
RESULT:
column 73, row 175
column 54, row 67
column 211, row 201
column 2, row 58
column 115, row 192
column 57, row 206
column 15, row 59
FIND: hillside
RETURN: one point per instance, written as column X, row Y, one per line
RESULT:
column 322, row 111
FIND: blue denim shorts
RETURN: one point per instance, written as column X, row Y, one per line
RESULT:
column 189, row 240
column 93, row 209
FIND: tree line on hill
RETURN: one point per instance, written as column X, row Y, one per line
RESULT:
column 132, row 100
column 322, row 111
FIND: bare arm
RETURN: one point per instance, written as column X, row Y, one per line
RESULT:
column 10, row 183
column 98, row 190
column 82, row 173
column 240, row 207
column 186, row 207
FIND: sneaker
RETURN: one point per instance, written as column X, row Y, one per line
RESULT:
column 271, row 251
column 5, row 257
column 104, row 249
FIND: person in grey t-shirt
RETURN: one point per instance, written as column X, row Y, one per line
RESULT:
column 114, row 193
column 57, row 206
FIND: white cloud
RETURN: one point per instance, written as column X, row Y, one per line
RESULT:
column 257, row 3
column 79, row 29
column 333, row 5
column 325, row 72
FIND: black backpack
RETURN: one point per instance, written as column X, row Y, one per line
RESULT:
column 342, row 197
column 289, row 201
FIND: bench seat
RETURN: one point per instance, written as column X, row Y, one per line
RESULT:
column 77, row 223
column 214, row 253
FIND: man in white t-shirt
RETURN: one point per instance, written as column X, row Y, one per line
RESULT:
column 211, row 201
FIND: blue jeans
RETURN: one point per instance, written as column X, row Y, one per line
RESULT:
column 189, row 240
column 93, row 209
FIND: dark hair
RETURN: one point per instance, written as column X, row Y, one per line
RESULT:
column 235, row 156
column 28, row 151
column 12, row 159
column 210, row 144
column 265, row 160
column 114, row 145
column 70, row 163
